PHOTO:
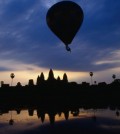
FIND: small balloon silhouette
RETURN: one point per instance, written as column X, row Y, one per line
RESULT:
column 64, row 19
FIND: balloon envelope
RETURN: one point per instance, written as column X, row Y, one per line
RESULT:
column 64, row 19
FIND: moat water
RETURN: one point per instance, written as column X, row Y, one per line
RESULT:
column 87, row 121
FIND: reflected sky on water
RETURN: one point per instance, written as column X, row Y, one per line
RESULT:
column 106, row 122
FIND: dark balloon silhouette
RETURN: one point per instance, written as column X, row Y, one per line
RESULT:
column 64, row 19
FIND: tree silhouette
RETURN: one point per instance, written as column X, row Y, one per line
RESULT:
column 114, row 76
column 2, row 82
column 12, row 76
column 91, row 74
column 95, row 82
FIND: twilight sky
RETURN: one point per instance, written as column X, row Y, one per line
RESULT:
column 28, row 47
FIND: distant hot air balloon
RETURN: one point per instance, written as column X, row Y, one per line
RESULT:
column 64, row 19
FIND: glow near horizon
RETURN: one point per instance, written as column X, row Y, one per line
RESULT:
column 24, row 74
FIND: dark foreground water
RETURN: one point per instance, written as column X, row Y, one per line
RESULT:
column 106, row 122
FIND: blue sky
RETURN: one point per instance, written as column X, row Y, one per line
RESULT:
column 28, row 47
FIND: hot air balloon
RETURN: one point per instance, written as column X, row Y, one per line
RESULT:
column 64, row 19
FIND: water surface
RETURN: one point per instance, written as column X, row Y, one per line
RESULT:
column 94, row 121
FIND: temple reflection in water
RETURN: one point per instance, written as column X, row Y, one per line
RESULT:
column 52, row 113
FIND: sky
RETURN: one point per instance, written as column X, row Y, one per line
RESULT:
column 28, row 47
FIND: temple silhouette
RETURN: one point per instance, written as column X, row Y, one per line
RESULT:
column 54, row 96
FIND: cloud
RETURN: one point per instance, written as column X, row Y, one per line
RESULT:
column 107, row 62
column 12, row 65
column 112, row 59
column 4, row 69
